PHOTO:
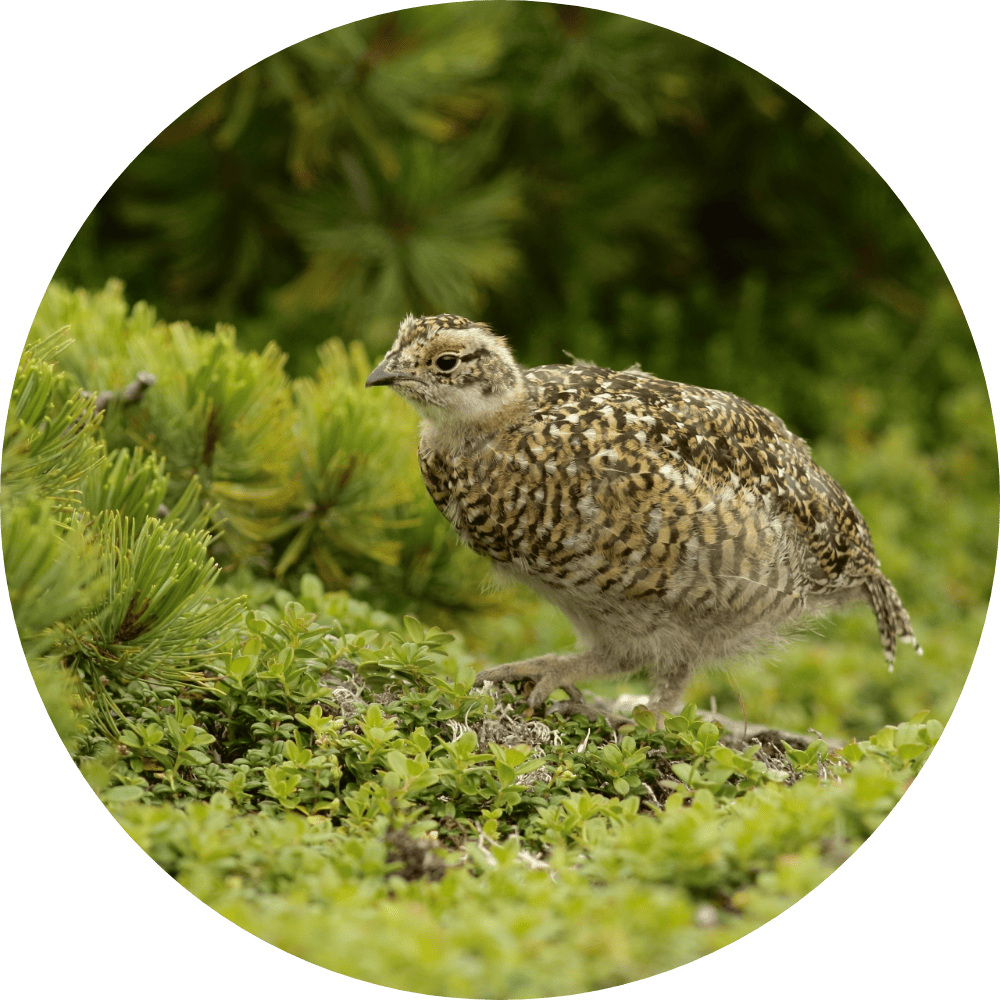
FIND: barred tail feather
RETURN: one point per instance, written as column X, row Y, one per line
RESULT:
column 893, row 621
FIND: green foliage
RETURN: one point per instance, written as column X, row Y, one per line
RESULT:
column 347, row 463
column 53, row 572
column 136, row 485
column 98, row 583
column 306, row 762
column 295, row 840
column 383, row 730
column 310, row 476
column 224, row 577
column 586, row 182
column 49, row 438
column 154, row 609
column 622, row 895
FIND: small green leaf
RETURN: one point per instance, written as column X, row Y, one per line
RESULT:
column 506, row 773
column 884, row 739
column 397, row 763
column 933, row 730
column 528, row 766
column 238, row 667
column 124, row 793
column 644, row 717
column 683, row 771
column 255, row 624
column 413, row 629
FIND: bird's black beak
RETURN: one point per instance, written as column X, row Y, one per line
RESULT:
column 380, row 377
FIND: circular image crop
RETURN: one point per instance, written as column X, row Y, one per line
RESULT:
column 499, row 500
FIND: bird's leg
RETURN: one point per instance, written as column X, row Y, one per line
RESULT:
column 668, row 691
column 550, row 671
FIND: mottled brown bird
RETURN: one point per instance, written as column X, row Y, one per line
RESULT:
column 673, row 525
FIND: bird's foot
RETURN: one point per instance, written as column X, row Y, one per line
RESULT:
column 546, row 672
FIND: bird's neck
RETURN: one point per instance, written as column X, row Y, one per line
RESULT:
column 475, row 417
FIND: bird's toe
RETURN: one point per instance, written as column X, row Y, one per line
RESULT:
column 500, row 675
column 544, row 686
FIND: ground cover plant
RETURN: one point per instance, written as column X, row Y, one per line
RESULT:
column 252, row 633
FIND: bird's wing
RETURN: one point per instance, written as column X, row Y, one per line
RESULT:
column 644, row 423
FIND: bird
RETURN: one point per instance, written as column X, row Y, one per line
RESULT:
column 673, row 525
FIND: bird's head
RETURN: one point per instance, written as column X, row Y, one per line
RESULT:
column 453, row 370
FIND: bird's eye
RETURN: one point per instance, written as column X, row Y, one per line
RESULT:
column 446, row 362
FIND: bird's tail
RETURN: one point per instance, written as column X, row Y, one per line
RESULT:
column 893, row 621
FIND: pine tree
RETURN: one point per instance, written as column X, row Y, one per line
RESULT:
column 584, row 181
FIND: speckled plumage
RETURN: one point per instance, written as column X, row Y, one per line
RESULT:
column 673, row 525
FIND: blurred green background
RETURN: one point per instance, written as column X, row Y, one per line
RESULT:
column 591, row 184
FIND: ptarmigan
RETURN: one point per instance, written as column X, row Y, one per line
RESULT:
column 673, row 525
